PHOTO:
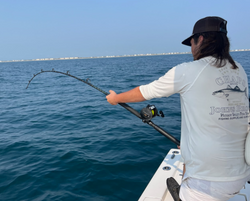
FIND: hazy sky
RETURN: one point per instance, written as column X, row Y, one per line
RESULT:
column 31, row 29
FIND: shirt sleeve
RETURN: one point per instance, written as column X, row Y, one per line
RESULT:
column 170, row 83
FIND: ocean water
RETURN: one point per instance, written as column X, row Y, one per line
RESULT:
column 61, row 140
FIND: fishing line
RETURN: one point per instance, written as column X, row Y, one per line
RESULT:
column 148, row 113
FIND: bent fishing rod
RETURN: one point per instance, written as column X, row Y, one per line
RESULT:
column 145, row 115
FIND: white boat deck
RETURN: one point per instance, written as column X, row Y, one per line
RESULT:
column 172, row 166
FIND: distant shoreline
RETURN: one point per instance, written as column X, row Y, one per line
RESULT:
column 117, row 56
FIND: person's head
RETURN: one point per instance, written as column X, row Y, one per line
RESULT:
column 209, row 38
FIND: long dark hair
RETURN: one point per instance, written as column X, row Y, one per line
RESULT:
column 215, row 44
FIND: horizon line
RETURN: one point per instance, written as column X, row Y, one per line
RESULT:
column 113, row 56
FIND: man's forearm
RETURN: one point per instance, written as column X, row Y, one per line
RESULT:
column 133, row 95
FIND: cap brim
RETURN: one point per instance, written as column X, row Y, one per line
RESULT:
column 187, row 41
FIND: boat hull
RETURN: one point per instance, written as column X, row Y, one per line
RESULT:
column 172, row 166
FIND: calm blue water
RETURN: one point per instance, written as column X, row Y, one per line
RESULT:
column 61, row 140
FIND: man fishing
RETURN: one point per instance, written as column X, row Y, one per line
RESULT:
column 214, row 111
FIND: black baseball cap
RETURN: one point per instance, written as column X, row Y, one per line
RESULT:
column 207, row 24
